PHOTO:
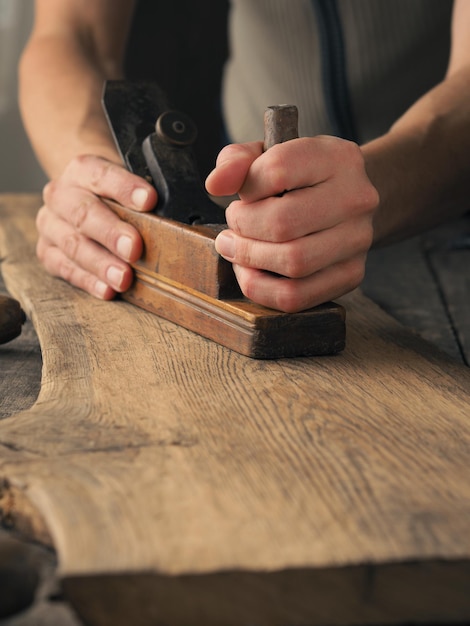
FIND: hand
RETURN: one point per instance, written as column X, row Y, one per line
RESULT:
column 80, row 238
column 300, row 232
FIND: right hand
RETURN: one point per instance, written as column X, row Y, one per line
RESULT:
column 300, row 231
column 80, row 238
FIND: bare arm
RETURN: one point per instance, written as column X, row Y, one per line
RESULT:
column 421, row 166
column 76, row 45
column 73, row 48
column 318, row 234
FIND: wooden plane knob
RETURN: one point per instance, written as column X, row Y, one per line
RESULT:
column 280, row 124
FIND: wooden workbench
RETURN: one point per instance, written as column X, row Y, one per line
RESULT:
column 180, row 483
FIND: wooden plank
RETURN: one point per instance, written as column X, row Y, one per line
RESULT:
column 448, row 254
column 425, row 284
column 455, row 287
column 399, row 279
column 182, row 483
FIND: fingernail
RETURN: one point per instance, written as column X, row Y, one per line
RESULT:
column 124, row 247
column 139, row 197
column 115, row 276
column 100, row 289
column 225, row 245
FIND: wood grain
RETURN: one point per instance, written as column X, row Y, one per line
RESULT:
column 182, row 483
column 455, row 289
column 424, row 282
column 398, row 278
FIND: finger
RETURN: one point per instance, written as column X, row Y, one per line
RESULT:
column 302, row 211
column 91, row 218
column 298, row 258
column 58, row 264
column 300, row 163
column 232, row 166
column 110, row 180
column 290, row 216
column 291, row 295
column 82, row 252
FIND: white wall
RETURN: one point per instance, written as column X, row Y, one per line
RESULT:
column 19, row 170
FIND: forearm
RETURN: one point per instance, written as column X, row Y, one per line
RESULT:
column 420, row 167
column 60, row 95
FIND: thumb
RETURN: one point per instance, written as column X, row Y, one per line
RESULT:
column 232, row 166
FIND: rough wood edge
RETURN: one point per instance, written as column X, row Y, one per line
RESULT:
column 393, row 593
column 18, row 512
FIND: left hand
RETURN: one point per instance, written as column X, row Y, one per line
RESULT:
column 300, row 232
column 80, row 238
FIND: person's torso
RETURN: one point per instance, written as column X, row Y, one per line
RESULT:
column 394, row 51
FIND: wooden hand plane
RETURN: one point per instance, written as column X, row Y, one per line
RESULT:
column 180, row 276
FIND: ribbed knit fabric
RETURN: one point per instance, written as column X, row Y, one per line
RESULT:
column 395, row 50
column 335, row 85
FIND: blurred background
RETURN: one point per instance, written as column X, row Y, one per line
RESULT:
column 19, row 170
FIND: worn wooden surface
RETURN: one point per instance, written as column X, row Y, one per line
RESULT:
column 425, row 283
column 181, row 483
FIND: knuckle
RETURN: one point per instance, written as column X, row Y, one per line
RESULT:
column 287, row 214
column 65, row 270
column 243, row 152
column 41, row 217
column 356, row 272
column 338, row 148
column 79, row 160
column 277, row 168
column 49, row 190
column 250, row 253
column 361, row 236
column 80, row 214
column 70, row 245
column 233, row 216
column 100, row 171
column 367, row 198
column 247, row 284
column 230, row 152
column 73, row 274
column 95, row 167
column 350, row 153
column 372, row 198
column 293, row 262
column 77, row 164
column 48, row 257
column 288, row 299
column 342, row 151
column 279, row 228
column 243, row 252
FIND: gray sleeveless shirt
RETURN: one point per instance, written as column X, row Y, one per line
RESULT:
column 394, row 51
